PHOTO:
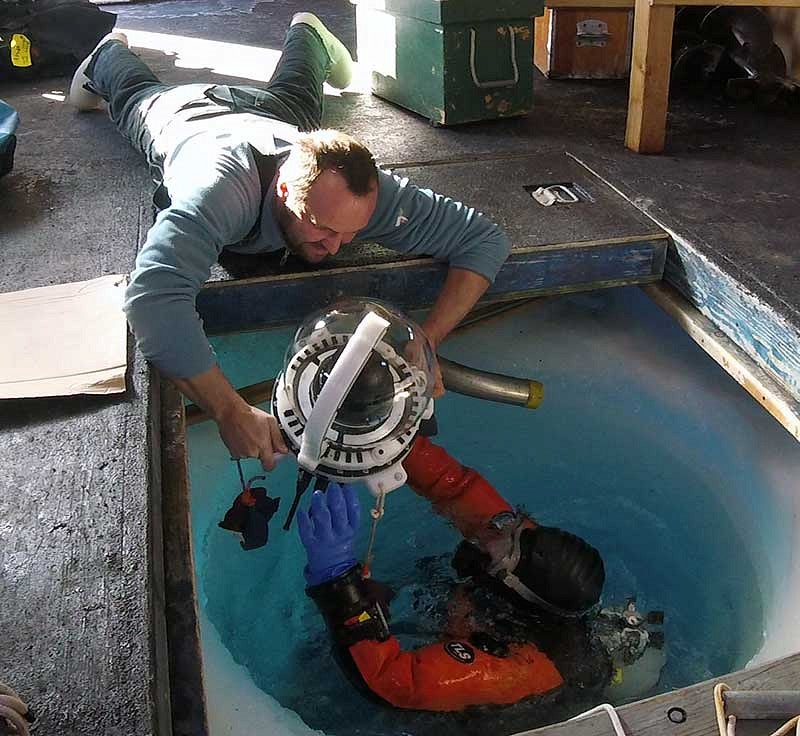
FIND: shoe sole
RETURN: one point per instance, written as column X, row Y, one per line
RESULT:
column 80, row 98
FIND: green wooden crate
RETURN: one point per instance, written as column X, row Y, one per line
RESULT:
column 453, row 61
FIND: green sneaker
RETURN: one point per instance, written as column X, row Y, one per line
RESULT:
column 341, row 71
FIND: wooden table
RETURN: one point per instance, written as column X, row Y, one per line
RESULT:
column 651, row 62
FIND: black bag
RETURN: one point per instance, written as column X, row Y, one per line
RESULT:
column 40, row 38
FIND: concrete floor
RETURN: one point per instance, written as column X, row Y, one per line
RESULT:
column 76, row 604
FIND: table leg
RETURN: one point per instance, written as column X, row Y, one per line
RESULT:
column 650, row 67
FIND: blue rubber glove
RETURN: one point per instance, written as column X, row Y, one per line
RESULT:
column 328, row 532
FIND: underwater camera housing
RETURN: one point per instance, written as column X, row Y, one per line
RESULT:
column 634, row 642
column 357, row 380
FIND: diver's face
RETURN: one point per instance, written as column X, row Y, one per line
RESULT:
column 332, row 217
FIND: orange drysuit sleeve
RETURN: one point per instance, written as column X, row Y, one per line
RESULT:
column 452, row 675
column 459, row 494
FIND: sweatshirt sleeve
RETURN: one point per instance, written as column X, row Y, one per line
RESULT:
column 215, row 199
column 421, row 222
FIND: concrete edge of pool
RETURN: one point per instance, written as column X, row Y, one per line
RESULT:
column 694, row 703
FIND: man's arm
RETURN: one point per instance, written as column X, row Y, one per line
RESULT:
column 461, row 290
column 215, row 200
column 419, row 221
column 246, row 430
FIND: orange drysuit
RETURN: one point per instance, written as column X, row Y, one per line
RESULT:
column 453, row 673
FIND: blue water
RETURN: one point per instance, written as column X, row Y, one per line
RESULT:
column 643, row 446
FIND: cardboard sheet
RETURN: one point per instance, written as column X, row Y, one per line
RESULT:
column 62, row 340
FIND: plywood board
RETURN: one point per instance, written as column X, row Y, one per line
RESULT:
column 63, row 339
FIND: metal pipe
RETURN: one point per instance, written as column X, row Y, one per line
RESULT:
column 762, row 704
column 457, row 377
column 490, row 386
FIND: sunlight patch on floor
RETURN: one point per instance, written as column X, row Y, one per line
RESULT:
column 230, row 59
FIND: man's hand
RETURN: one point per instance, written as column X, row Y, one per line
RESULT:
column 415, row 354
column 460, row 292
column 247, row 431
column 438, row 381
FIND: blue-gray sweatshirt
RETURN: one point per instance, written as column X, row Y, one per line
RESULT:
column 216, row 200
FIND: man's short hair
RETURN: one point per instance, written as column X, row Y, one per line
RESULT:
column 327, row 150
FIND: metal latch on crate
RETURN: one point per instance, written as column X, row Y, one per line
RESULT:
column 591, row 32
column 555, row 193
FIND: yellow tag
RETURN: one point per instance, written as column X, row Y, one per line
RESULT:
column 616, row 678
column 364, row 617
column 20, row 50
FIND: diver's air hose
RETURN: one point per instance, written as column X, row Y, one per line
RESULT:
column 491, row 386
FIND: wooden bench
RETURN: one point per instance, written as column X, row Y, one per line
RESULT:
column 651, row 62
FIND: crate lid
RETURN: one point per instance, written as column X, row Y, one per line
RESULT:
column 456, row 11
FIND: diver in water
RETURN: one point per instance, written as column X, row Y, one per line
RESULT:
column 524, row 622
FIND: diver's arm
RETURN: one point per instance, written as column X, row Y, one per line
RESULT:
column 461, row 495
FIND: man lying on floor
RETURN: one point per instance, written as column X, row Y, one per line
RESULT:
column 523, row 623
column 247, row 169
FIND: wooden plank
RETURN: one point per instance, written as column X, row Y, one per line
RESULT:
column 180, row 593
column 695, row 715
column 649, row 85
column 541, row 41
column 260, row 302
column 754, row 379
